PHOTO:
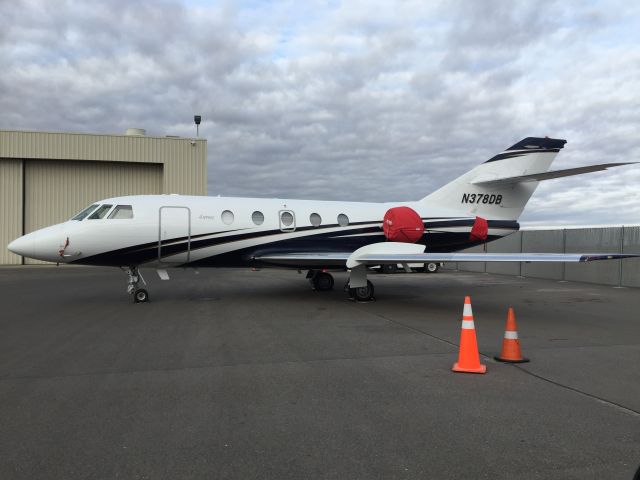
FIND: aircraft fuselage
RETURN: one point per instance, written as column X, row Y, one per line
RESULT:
column 175, row 230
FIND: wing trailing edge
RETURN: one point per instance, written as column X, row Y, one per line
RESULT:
column 538, row 177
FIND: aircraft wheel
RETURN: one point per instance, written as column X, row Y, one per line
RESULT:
column 388, row 268
column 431, row 267
column 362, row 294
column 141, row 296
column 323, row 281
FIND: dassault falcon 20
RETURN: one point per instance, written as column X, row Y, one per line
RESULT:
column 162, row 231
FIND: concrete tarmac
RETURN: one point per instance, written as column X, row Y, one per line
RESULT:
column 233, row 374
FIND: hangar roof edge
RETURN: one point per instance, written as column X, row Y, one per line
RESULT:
column 47, row 132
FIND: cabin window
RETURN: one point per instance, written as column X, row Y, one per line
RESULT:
column 83, row 214
column 121, row 212
column 100, row 212
column 257, row 217
column 227, row 217
column 343, row 220
column 286, row 218
column 315, row 219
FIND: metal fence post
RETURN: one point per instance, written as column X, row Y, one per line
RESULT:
column 621, row 251
column 521, row 245
column 564, row 250
column 485, row 263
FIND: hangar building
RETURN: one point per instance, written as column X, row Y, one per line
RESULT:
column 47, row 177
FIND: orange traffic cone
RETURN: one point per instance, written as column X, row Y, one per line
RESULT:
column 510, row 344
column 468, row 357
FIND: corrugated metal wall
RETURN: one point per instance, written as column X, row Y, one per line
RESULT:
column 596, row 240
column 10, row 208
column 66, row 171
column 55, row 190
column 185, row 170
column 543, row 241
column 471, row 266
column 624, row 273
column 184, row 159
column 507, row 244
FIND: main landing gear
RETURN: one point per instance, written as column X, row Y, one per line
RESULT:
column 362, row 294
column 321, row 281
column 140, row 295
column 431, row 267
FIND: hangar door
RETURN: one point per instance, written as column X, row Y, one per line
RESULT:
column 56, row 189
column 10, row 207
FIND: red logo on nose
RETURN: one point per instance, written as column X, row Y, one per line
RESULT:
column 62, row 250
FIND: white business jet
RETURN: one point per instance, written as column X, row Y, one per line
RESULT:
column 161, row 231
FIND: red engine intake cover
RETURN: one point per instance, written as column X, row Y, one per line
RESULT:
column 480, row 230
column 402, row 224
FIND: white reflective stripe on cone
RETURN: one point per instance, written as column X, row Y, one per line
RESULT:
column 466, row 311
column 468, row 324
column 511, row 335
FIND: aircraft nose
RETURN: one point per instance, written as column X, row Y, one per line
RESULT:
column 44, row 244
column 25, row 246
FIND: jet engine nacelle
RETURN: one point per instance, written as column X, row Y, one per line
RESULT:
column 402, row 224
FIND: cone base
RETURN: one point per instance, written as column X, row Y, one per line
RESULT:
column 458, row 368
column 508, row 360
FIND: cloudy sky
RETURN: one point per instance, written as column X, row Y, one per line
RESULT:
column 354, row 100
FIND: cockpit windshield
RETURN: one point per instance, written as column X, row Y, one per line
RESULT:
column 83, row 214
column 100, row 212
column 121, row 212
column 97, row 212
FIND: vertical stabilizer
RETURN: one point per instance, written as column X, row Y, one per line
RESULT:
column 506, row 202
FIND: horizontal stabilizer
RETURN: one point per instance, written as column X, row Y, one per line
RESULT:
column 538, row 177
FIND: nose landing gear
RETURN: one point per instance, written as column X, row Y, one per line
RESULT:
column 140, row 295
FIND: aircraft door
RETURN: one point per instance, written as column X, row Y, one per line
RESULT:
column 174, row 235
column 287, row 220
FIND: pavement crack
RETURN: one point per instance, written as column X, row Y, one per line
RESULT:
column 417, row 330
column 610, row 403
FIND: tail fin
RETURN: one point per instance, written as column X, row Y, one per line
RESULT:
column 475, row 192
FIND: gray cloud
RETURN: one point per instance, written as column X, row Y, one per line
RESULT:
column 363, row 102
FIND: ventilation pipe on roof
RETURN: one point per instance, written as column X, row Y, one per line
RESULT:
column 136, row 132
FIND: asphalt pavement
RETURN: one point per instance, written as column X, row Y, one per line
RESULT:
column 234, row 374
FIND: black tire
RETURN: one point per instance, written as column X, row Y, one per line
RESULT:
column 388, row 268
column 323, row 281
column 141, row 296
column 431, row 267
column 362, row 294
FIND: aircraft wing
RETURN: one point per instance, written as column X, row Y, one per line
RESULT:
column 538, row 177
column 303, row 258
column 353, row 259
column 374, row 259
